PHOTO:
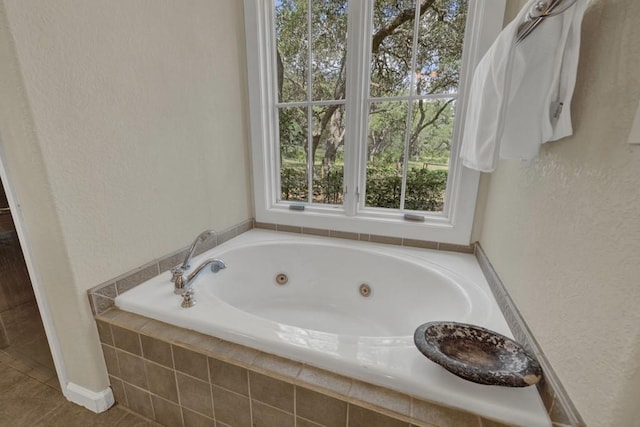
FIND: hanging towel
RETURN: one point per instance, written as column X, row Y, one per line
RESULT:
column 521, row 93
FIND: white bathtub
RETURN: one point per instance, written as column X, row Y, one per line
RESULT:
column 319, row 317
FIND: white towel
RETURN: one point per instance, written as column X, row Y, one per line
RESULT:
column 521, row 93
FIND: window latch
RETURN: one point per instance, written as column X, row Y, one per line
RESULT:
column 413, row 217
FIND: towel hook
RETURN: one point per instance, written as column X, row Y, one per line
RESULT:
column 538, row 12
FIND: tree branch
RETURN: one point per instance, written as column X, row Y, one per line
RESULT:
column 395, row 23
column 421, row 123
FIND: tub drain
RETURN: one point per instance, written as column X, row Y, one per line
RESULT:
column 365, row 290
column 281, row 279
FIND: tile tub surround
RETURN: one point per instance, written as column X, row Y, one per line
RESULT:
column 180, row 377
column 558, row 404
column 101, row 297
column 399, row 241
column 555, row 398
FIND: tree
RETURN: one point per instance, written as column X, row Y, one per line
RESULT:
column 393, row 73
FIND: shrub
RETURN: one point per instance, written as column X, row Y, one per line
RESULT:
column 425, row 188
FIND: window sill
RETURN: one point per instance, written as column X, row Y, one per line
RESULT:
column 365, row 237
column 435, row 228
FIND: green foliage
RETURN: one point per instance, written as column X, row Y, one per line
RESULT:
column 327, row 186
column 293, row 183
column 425, row 188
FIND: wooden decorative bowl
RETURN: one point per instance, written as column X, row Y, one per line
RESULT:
column 477, row 354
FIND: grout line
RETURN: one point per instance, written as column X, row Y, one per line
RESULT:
column 250, row 398
column 295, row 399
column 175, row 380
column 125, row 411
column 48, row 414
column 213, row 403
column 347, row 421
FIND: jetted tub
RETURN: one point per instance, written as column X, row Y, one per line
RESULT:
column 323, row 317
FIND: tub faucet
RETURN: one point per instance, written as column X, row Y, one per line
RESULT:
column 186, row 284
column 179, row 271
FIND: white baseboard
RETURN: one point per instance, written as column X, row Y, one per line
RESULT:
column 94, row 401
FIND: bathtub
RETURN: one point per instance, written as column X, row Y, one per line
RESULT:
column 346, row 306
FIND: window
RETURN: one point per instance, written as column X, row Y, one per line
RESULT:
column 356, row 108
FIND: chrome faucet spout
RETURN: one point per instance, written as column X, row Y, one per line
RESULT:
column 186, row 284
column 201, row 238
column 186, row 264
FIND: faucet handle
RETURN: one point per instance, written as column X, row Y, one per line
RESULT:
column 175, row 273
column 177, row 277
column 188, row 298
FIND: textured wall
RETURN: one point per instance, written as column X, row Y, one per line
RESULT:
column 564, row 233
column 138, row 130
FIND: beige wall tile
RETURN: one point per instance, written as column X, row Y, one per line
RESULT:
column 289, row 228
column 117, row 386
column 228, row 376
column 325, row 380
column 546, row 393
column 271, row 391
column 244, row 355
column 424, row 244
column 162, row 331
column 303, row 422
column 195, row 394
column 111, row 360
column 490, row 423
column 104, row 332
column 167, row 413
column 320, row 408
column 126, row 340
column 465, row 249
column 385, row 398
column 265, row 226
column 129, row 320
column 193, row 419
column 441, row 416
column 315, row 231
column 190, row 362
column 363, row 417
column 133, row 279
column 231, row 408
column 266, row 416
column 385, row 239
column 277, row 365
column 162, row 381
column 558, row 414
column 106, row 290
column 100, row 304
column 156, row 351
column 343, row 235
column 222, row 350
column 132, row 369
column 139, row 401
column 227, row 235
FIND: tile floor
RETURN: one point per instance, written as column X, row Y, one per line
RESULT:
column 29, row 389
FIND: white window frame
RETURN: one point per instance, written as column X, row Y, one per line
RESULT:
column 452, row 225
